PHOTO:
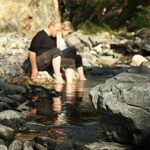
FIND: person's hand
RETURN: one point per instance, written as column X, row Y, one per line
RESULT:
column 34, row 73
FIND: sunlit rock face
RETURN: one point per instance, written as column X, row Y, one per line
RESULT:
column 26, row 16
column 13, row 52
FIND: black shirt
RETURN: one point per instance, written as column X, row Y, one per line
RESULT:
column 42, row 42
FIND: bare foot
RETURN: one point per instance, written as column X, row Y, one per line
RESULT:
column 59, row 80
column 82, row 79
column 58, row 87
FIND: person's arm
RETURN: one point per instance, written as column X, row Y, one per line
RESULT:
column 34, row 47
column 32, row 58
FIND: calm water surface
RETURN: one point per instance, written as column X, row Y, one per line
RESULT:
column 71, row 115
column 73, row 107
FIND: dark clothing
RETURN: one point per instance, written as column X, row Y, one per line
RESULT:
column 44, row 60
column 45, row 48
column 42, row 42
column 71, row 52
column 78, row 61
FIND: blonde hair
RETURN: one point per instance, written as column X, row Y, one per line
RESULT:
column 54, row 21
column 67, row 26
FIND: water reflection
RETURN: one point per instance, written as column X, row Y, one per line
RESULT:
column 69, row 117
column 63, row 109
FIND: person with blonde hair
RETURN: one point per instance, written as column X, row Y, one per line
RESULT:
column 44, row 54
column 70, row 52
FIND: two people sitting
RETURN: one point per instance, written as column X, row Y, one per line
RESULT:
column 46, row 53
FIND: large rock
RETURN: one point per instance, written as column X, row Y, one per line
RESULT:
column 15, row 145
column 13, row 50
column 27, row 16
column 144, row 34
column 124, row 106
column 137, row 60
column 101, row 145
column 11, row 114
column 6, row 133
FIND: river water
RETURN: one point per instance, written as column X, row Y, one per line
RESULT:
column 69, row 118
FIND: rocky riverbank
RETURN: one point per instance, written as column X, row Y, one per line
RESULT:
column 123, row 98
column 15, row 104
column 122, row 104
column 100, row 52
column 123, row 107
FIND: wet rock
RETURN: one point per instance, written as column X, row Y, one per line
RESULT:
column 125, row 100
column 110, row 72
column 3, row 147
column 15, row 145
column 6, row 133
column 11, row 114
column 4, row 106
column 2, row 142
column 28, row 146
column 12, row 118
column 17, row 98
column 109, row 146
column 146, row 66
column 39, row 147
column 44, row 141
column 34, row 127
column 105, row 71
column 12, row 89
column 8, row 101
column 23, row 108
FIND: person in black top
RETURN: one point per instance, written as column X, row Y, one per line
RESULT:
column 43, row 54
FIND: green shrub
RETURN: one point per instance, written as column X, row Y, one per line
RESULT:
column 91, row 28
column 141, row 19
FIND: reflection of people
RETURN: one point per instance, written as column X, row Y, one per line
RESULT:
column 66, row 105
column 61, row 109
column 70, row 52
column 43, row 53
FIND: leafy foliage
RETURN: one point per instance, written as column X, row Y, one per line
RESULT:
column 97, row 15
column 141, row 19
column 91, row 28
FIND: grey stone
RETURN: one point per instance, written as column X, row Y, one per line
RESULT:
column 11, row 114
column 28, row 145
column 125, row 100
column 15, row 145
column 3, row 147
column 6, row 133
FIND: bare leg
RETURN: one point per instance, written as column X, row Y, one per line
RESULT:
column 81, row 73
column 69, row 75
column 56, row 62
column 76, row 75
